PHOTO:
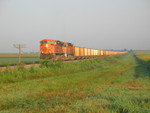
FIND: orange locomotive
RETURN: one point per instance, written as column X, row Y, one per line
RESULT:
column 55, row 49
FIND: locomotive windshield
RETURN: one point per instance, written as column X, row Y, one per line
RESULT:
column 47, row 42
column 43, row 42
column 50, row 42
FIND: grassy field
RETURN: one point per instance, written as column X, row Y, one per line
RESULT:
column 118, row 84
column 144, row 55
column 12, row 58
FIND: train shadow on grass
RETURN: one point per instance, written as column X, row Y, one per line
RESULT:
column 143, row 68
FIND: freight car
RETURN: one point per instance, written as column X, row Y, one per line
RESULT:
column 55, row 49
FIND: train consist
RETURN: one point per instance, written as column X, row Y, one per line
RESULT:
column 55, row 49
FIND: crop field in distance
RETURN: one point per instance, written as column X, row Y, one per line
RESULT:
column 12, row 58
column 144, row 55
column 113, row 84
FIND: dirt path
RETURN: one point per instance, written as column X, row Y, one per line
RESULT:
column 15, row 67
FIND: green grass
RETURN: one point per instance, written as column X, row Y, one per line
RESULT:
column 12, row 58
column 15, row 60
column 105, row 85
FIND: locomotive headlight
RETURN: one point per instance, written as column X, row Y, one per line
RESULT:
column 46, row 45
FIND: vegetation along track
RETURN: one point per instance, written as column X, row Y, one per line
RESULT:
column 37, row 63
column 102, row 85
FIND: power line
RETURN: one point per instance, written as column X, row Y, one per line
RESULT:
column 19, row 47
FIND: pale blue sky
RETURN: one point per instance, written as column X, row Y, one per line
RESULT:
column 99, row 24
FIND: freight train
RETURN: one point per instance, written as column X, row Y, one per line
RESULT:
column 55, row 49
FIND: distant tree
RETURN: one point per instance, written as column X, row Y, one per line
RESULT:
column 125, row 49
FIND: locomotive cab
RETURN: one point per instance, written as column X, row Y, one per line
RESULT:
column 47, row 48
column 55, row 49
column 51, row 49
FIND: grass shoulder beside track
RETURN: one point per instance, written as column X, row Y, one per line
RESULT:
column 6, row 61
column 102, row 85
column 12, row 58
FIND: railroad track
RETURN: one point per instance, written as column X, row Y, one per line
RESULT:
column 18, row 64
column 13, row 66
column 36, row 64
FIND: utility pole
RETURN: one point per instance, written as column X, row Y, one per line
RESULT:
column 19, row 47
